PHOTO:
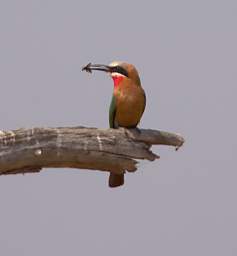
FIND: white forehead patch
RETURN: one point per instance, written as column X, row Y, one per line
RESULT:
column 115, row 63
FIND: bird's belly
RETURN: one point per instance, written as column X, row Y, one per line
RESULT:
column 129, row 111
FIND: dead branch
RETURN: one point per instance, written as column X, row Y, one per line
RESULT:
column 116, row 150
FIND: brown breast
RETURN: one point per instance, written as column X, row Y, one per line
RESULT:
column 130, row 104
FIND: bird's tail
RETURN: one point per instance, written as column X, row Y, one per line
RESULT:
column 116, row 180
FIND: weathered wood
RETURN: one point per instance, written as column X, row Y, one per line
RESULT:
column 116, row 150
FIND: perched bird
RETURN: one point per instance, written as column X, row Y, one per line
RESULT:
column 128, row 101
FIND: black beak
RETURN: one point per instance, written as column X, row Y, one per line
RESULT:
column 89, row 67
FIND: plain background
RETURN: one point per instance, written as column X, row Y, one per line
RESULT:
column 186, row 51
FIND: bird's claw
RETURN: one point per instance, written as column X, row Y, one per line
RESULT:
column 87, row 68
column 137, row 130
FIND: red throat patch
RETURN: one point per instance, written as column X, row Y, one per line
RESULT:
column 117, row 80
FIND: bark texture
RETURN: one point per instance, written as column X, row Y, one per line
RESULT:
column 116, row 150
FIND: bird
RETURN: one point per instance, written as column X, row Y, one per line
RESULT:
column 128, row 101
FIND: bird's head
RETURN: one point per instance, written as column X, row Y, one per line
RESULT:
column 119, row 71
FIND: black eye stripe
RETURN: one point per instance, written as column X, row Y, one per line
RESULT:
column 120, row 70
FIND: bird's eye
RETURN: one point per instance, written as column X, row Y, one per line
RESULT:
column 120, row 70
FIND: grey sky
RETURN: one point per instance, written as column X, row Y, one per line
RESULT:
column 185, row 203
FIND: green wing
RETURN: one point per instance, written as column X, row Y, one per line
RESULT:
column 144, row 95
column 112, row 112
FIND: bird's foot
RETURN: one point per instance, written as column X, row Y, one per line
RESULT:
column 134, row 132
column 136, row 129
